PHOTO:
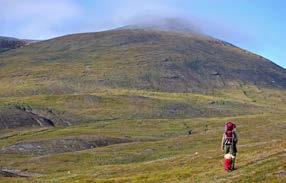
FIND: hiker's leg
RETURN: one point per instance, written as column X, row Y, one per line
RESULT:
column 233, row 163
column 233, row 152
column 226, row 149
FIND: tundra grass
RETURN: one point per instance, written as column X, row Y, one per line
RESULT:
column 162, row 150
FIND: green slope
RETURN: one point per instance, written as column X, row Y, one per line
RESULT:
column 140, row 59
column 161, row 150
column 122, row 103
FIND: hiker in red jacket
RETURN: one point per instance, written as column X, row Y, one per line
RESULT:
column 229, row 141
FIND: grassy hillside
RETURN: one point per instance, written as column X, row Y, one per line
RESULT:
column 159, row 147
column 118, row 106
column 138, row 59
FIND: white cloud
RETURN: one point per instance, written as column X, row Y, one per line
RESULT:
column 127, row 9
column 41, row 19
column 35, row 18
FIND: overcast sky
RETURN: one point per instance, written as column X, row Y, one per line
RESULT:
column 256, row 25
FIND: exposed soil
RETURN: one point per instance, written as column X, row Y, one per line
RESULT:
column 23, row 116
column 68, row 144
column 15, row 118
column 16, row 173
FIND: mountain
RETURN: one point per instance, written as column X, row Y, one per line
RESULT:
column 134, row 58
column 139, row 104
column 7, row 43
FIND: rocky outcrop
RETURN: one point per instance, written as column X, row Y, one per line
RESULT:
column 4, row 172
column 48, row 114
column 23, row 116
column 16, row 118
column 7, row 43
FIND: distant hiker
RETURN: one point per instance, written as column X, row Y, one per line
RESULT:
column 229, row 141
column 206, row 128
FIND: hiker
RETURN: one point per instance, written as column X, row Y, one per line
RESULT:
column 229, row 141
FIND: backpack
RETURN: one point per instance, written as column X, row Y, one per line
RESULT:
column 228, row 160
column 229, row 133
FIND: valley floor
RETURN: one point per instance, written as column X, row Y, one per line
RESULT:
column 147, row 147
